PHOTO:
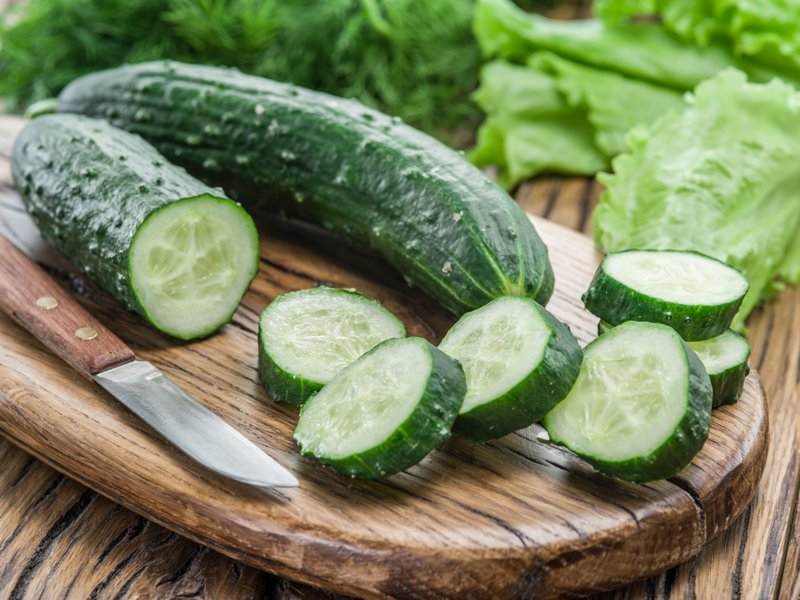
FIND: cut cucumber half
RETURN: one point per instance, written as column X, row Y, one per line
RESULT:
column 641, row 407
column 519, row 362
column 385, row 412
column 191, row 262
column 696, row 295
column 725, row 359
column 307, row 337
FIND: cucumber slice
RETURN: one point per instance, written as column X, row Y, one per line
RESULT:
column 641, row 407
column 696, row 295
column 190, row 262
column 519, row 361
column 307, row 337
column 725, row 359
column 385, row 412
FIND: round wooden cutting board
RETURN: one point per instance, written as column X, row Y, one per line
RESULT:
column 516, row 517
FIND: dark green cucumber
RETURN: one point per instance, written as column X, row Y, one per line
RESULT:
column 436, row 218
column 384, row 412
column 519, row 361
column 641, row 407
column 696, row 295
column 166, row 245
column 308, row 336
column 725, row 359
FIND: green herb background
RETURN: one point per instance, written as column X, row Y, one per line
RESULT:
column 414, row 58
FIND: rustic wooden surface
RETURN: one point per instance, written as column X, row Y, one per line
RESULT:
column 51, row 527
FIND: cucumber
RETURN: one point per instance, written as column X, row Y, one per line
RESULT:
column 306, row 337
column 385, row 412
column 641, row 407
column 519, row 362
column 336, row 163
column 164, row 244
column 725, row 359
column 696, row 295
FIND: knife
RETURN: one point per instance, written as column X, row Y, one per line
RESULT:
column 30, row 297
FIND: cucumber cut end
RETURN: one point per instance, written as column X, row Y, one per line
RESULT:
column 722, row 352
column 366, row 402
column 630, row 395
column 191, row 262
column 313, row 334
column 677, row 276
column 498, row 346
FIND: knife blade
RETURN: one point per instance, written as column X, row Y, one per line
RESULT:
column 32, row 299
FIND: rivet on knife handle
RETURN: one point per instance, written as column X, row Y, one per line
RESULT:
column 30, row 297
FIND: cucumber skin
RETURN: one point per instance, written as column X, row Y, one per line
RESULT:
column 432, row 215
column 615, row 303
column 680, row 448
column 427, row 427
column 90, row 186
column 726, row 385
column 533, row 397
column 283, row 386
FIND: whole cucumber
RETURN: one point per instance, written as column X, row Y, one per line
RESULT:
column 302, row 154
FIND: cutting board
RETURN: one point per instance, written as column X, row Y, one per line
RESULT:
column 516, row 517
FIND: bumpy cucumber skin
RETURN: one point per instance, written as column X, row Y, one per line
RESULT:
column 533, row 397
column 427, row 427
column 616, row 303
column 680, row 448
column 281, row 385
column 89, row 187
column 307, row 155
column 726, row 385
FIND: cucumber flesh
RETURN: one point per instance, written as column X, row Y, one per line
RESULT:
column 641, row 407
column 307, row 337
column 384, row 412
column 191, row 262
column 696, row 295
column 519, row 362
column 725, row 358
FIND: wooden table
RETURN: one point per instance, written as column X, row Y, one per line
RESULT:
column 61, row 540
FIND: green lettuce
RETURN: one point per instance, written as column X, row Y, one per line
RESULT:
column 765, row 29
column 562, row 95
column 721, row 177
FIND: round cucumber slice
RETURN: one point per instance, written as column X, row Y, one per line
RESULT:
column 696, row 295
column 385, row 412
column 190, row 263
column 641, row 407
column 307, row 337
column 725, row 359
column 519, row 362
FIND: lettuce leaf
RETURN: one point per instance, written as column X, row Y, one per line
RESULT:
column 642, row 50
column 721, row 177
column 765, row 29
column 558, row 115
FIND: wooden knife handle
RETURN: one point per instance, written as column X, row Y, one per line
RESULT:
column 30, row 297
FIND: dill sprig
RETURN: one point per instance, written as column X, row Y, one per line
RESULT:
column 413, row 58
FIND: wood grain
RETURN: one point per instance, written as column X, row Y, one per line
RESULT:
column 512, row 517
